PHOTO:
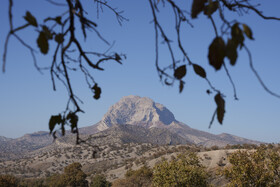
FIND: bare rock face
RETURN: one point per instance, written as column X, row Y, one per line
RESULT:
column 144, row 112
column 135, row 110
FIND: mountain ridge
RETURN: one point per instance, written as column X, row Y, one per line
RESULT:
column 130, row 114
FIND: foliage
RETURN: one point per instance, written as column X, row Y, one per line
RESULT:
column 72, row 176
column 56, row 180
column 8, row 181
column 34, row 182
column 136, row 178
column 99, row 181
column 256, row 168
column 186, row 170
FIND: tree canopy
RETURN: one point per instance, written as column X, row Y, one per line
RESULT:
column 59, row 37
column 259, row 167
column 185, row 170
column 72, row 176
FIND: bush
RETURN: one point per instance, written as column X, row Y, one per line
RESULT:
column 254, row 168
column 8, row 181
column 99, row 181
column 72, row 176
column 186, row 170
column 134, row 178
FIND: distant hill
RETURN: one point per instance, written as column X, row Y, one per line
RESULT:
column 144, row 112
column 16, row 148
column 133, row 119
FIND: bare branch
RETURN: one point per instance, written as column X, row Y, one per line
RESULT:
column 231, row 81
column 56, row 3
column 249, row 7
column 258, row 76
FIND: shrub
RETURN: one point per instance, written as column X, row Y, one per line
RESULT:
column 186, row 170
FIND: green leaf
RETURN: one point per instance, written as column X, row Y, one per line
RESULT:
column 30, row 19
column 53, row 121
column 211, row 8
column 181, row 86
column 197, row 7
column 237, row 34
column 231, row 51
column 59, row 38
column 180, row 72
column 247, row 31
column 199, row 70
column 217, row 52
column 220, row 102
column 97, row 91
column 42, row 43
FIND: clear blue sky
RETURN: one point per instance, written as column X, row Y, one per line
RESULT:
column 27, row 99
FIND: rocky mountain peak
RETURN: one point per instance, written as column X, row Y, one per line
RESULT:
column 135, row 110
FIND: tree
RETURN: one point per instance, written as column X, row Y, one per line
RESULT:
column 68, row 55
column 99, row 181
column 8, row 181
column 72, row 176
column 141, row 177
column 33, row 182
column 259, row 167
column 186, row 170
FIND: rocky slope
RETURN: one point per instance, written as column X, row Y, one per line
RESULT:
column 133, row 119
column 144, row 112
column 16, row 148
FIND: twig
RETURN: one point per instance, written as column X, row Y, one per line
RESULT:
column 258, row 76
column 231, row 81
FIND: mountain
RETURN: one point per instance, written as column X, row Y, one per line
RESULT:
column 123, row 134
column 133, row 110
column 144, row 112
column 133, row 119
column 16, row 148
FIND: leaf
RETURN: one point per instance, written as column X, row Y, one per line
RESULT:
column 217, row 52
column 220, row 102
column 247, row 31
column 117, row 57
column 237, row 35
column 59, row 38
column 97, row 91
column 30, row 19
column 47, row 32
column 197, row 7
column 231, row 51
column 53, row 121
column 180, row 72
column 181, row 86
column 211, row 8
column 58, row 20
column 42, row 43
column 199, row 70
column 73, row 119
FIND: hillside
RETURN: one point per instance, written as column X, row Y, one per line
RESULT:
column 133, row 119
